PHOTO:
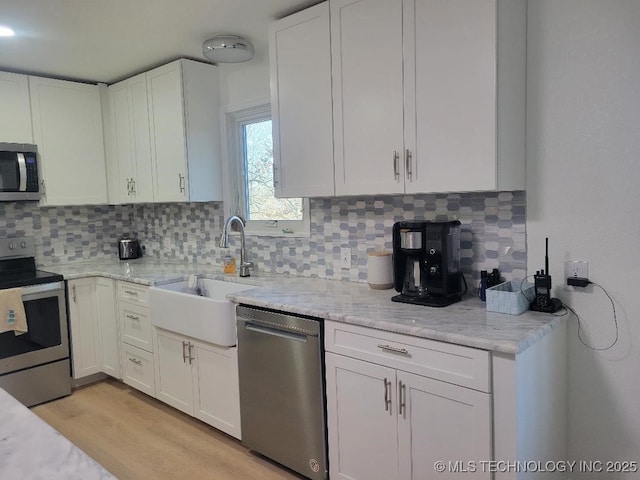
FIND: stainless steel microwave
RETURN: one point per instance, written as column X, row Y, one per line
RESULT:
column 19, row 172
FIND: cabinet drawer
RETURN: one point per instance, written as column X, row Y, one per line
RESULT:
column 135, row 325
column 138, row 369
column 465, row 366
column 133, row 293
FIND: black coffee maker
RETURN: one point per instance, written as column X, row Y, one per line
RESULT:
column 426, row 262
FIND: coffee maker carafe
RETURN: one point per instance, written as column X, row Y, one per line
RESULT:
column 426, row 262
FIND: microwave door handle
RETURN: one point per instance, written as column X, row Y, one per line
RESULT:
column 22, row 169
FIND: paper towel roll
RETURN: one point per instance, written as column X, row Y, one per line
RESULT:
column 379, row 270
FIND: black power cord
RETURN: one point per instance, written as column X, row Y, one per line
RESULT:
column 615, row 319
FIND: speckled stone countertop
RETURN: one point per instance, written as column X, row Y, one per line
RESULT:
column 31, row 449
column 463, row 323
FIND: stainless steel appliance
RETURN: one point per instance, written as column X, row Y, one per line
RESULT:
column 426, row 263
column 282, row 404
column 34, row 367
column 19, row 172
column 129, row 248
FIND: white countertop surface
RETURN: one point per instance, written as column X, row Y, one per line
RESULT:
column 463, row 323
column 31, row 449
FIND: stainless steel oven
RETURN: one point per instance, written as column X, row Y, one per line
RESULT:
column 34, row 366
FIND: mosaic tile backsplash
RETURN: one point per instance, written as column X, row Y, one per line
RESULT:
column 493, row 232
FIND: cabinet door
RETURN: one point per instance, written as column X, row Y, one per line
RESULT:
column 366, row 48
column 167, row 124
column 441, row 422
column 121, row 148
column 173, row 371
column 142, row 186
column 450, row 94
column 86, row 355
column 215, row 386
column 15, row 114
column 362, row 426
column 131, row 147
column 300, row 63
column 67, row 127
column 108, row 323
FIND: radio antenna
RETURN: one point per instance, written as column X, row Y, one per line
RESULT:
column 546, row 255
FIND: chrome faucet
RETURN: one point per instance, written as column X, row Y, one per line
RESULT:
column 224, row 242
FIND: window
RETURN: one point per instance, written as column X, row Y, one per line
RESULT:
column 251, row 173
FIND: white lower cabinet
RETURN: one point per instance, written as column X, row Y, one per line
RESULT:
column 387, row 423
column 86, row 351
column 199, row 379
column 136, row 337
column 108, row 326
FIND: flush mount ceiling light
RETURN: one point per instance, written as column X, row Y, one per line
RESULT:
column 6, row 31
column 228, row 49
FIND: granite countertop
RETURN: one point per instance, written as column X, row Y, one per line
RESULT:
column 464, row 323
column 31, row 449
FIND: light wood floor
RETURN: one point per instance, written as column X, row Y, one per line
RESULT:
column 137, row 437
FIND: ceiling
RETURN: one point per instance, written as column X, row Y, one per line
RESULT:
column 109, row 40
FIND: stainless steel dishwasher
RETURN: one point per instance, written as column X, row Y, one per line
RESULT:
column 282, row 403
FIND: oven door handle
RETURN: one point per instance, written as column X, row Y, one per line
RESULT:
column 53, row 288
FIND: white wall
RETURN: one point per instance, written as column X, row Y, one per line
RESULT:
column 247, row 82
column 583, row 170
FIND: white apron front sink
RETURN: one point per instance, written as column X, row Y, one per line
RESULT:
column 208, row 317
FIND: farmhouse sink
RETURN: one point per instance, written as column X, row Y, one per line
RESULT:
column 206, row 316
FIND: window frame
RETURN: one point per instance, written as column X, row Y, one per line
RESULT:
column 235, row 117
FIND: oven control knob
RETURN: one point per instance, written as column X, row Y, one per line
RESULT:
column 23, row 244
column 12, row 246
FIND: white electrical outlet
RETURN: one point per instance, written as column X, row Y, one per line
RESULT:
column 345, row 258
column 576, row 268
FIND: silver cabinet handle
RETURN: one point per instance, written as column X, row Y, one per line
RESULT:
column 402, row 398
column 131, row 292
column 128, row 186
column 43, row 188
column 407, row 163
column 181, row 182
column 387, row 400
column 191, row 357
column 275, row 177
column 389, row 348
column 396, row 158
column 133, row 317
column 133, row 186
column 137, row 362
column 73, row 293
column 184, row 351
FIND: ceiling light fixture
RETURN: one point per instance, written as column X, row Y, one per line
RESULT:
column 6, row 31
column 228, row 49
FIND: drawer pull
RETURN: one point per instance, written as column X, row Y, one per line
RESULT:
column 131, row 292
column 133, row 317
column 136, row 361
column 389, row 348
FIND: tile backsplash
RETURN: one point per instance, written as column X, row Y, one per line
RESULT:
column 493, row 232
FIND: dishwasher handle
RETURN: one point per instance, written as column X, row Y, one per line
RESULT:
column 275, row 332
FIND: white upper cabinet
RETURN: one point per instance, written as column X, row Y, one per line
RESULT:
column 428, row 95
column 300, row 63
column 366, row 46
column 128, row 142
column 464, row 94
column 67, row 128
column 184, row 122
column 15, row 114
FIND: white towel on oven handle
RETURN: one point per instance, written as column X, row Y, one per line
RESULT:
column 12, row 314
